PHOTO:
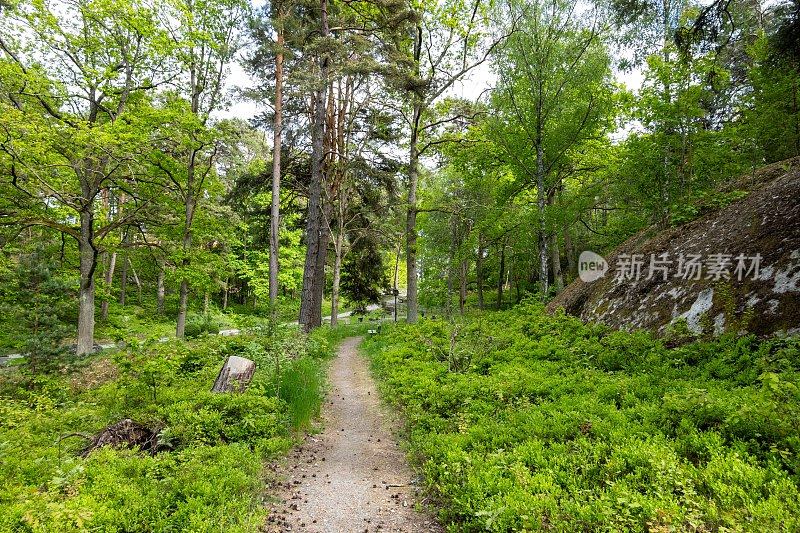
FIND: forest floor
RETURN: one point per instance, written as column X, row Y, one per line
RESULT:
column 352, row 476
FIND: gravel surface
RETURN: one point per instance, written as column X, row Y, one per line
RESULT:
column 352, row 477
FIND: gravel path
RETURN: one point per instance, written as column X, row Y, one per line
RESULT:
column 352, row 477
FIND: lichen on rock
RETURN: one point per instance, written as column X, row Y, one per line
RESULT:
column 765, row 301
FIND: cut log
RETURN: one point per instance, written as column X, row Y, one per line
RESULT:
column 235, row 375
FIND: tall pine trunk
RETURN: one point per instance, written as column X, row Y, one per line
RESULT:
column 322, row 257
column 337, row 276
column 412, row 307
column 310, row 316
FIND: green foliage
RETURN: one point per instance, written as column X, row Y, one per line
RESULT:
column 197, row 325
column 705, row 202
column 301, row 388
column 197, row 489
column 207, row 472
column 364, row 279
column 37, row 308
column 524, row 421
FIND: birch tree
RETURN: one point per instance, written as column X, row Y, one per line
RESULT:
column 448, row 41
column 204, row 38
column 554, row 93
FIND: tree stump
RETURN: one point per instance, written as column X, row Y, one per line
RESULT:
column 235, row 375
column 125, row 434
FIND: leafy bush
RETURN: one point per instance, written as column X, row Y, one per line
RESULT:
column 207, row 474
column 197, row 325
column 704, row 202
column 40, row 308
column 524, row 421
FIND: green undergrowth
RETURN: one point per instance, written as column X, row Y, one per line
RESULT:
column 208, row 472
column 524, row 421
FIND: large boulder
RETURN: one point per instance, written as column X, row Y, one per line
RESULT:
column 733, row 293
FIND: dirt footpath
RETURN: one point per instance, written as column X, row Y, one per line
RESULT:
column 352, row 477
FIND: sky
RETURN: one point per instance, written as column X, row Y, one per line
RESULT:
column 240, row 108
column 471, row 87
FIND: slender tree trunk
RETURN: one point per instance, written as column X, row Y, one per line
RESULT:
column 309, row 298
column 501, row 276
column 337, row 273
column 666, row 186
column 109, row 279
column 225, row 293
column 183, row 305
column 123, row 282
column 558, row 278
column 88, row 264
column 206, row 302
column 479, row 271
column 277, row 125
column 137, row 281
column 451, row 267
column 411, row 222
column 160, row 290
column 462, row 297
column 322, row 257
column 572, row 266
column 542, row 230
column 412, row 307
column 193, row 190
column 395, row 290
column 186, row 244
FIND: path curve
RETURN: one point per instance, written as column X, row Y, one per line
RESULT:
column 352, row 477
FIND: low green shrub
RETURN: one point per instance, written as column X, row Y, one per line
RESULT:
column 197, row 325
column 197, row 489
column 525, row 421
column 207, row 474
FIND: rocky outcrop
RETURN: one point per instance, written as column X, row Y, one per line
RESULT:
column 736, row 269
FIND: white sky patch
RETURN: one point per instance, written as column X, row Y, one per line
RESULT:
column 475, row 85
column 242, row 108
column 238, row 79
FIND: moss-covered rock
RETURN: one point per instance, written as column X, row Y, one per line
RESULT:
column 765, row 221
